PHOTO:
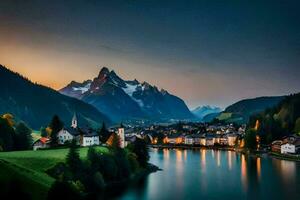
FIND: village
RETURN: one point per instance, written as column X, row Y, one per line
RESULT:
column 175, row 135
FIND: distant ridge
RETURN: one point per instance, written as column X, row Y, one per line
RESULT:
column 240, row 111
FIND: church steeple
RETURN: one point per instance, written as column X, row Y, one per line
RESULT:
column 74, row 121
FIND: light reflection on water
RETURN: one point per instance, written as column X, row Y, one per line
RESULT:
column 214, row 174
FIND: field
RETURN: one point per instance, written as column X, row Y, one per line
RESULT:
column 28, row 167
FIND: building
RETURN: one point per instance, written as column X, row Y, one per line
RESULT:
column 175, row 138
column 231, row 139
column 276, row 146
column 89, row 140
column 74, row 123
column 41, row 143
column 121, row 134
column 288, row 148
column 66, row 135
column 189, row 140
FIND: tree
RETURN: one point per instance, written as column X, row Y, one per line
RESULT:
column 103, row 133
column 250, row 139
column 23, row 139
column 63, row 190
column 140, row 148
column 10, row 119
column 73, row 161
column 7, row 134
column 56, row 125
column 43, row 131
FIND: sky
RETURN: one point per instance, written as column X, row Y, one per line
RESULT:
column 206, row 52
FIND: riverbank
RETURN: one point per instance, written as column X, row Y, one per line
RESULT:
column 166, row 146
column 289, row 157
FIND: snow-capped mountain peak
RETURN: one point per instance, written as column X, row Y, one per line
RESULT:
column 121, row 99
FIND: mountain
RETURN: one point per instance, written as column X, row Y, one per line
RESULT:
column 36, row 104
column 278, row 121
column 210, row 117
column 123, row 100
column 240, row 111
column 202, row 111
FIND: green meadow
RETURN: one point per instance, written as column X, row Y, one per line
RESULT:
column 29, row 168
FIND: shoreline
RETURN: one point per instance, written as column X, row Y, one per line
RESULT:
column 288, row 157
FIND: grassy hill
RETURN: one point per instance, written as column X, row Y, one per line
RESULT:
column 241, row 111
column 29, row 168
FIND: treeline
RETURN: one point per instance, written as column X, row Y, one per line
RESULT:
column 88, row 178
column 14, row 137
column 277, row 122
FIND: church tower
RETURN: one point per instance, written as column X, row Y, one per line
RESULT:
column 74, row 121
column 121, row 133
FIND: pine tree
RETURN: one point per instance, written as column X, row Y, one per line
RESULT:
column 23, row 138
column 7, row 135
column 56, row 125
column 73, row 161
column 103, row 133
column 43, row 132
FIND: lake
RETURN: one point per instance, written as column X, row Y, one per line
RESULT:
column 215, row 174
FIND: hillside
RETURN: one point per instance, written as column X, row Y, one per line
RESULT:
column 124, row 100
column 36, row 104
column 281, row 120
column 29, row 168
column 240, row 111
column 203, row 111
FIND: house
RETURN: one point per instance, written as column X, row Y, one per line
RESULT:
column 290, row 145
column 90, row 139
column 194, row 139
column 189, row 140
column 276, row 146
column 41, row 143
column 288, row 148
column 231, row 139
column 67, row 135
column 174, row 139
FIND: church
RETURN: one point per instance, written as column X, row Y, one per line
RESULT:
column 83, row 136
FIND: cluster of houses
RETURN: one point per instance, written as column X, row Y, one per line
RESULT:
column 83, row 136
column 204, row 136
column 206, row 139
column 287, row 145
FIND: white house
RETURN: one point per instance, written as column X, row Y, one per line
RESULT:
column 41, row 143
column 288, row 148
column 189, row 140
column 66, row 135
column 89, row 140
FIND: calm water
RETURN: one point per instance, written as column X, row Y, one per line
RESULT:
column 213, row 174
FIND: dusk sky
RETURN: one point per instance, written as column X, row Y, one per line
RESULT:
column 206, row 52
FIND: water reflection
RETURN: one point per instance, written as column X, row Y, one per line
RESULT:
column 213, row 174
column 244, row 172
column 229, row 160
column 218, row 158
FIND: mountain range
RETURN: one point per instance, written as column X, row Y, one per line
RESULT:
column 124, row 100
column 203, row 111
column 36, row 104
